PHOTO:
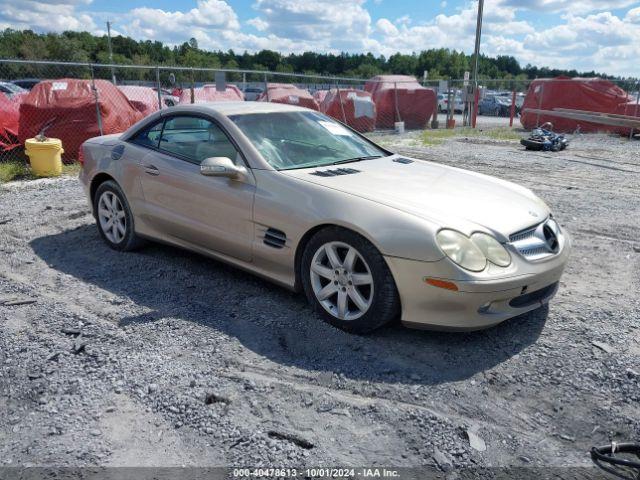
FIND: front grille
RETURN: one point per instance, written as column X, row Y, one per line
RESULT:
column 532, row 298
column 538, row 241
column 523, row 234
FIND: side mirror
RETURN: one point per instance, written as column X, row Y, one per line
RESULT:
column 221, row 167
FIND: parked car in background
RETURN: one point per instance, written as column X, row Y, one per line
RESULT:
column 252, row 93
column 519, row 99
column 11, row 89
column 294, row 196
column 496, row 105
column 26, row 83
column 443, row 102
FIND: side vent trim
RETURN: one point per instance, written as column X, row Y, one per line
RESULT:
column 275, row 238
column 402, row 160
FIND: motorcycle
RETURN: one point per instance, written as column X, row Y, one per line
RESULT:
column 544, row 138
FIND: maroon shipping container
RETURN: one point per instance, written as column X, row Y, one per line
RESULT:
column 69, row 106
column 350, row 106
column 590, row 94
column 401, row 98
column 289, row 94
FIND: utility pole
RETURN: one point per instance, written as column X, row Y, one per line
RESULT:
column 113, row 73
column 476, row 57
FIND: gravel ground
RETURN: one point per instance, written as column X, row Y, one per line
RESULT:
column 164, row 358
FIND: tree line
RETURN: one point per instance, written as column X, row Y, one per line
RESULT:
column 83, row 47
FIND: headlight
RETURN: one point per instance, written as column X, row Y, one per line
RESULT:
column 491, row 249
column 461, row 250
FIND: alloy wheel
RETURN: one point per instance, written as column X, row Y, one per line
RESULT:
column 112, row 217
column 341, row 280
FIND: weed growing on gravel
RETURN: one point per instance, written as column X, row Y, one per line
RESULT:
column 436, row 137
column 18, row 170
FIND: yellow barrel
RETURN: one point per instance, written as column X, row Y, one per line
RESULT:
column 45, row 157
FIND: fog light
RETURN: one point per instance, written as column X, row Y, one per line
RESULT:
column 435, row 282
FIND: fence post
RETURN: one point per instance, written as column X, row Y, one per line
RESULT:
column 344, row 116
column 397, row 110
column 158, row 88
column 476, row 100
column 95, row 96
column 635, row 113
column 513, row 107
column 192, row 88
column 266, row 87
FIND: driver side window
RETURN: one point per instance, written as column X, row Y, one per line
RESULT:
column 194, row 139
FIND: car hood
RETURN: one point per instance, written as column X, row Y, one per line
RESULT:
column 448, row 196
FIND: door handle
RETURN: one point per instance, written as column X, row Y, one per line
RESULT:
column 151, row 170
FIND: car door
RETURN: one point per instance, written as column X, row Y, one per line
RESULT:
column 180, row 203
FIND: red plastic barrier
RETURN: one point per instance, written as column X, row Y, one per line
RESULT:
column 9, row 116
column 357, row 109
column 144, row 99
column 401, row 98
column 70, row 105
column 209, row 93
column 289, row 94
column 590, row 94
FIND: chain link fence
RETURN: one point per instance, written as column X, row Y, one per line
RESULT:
column 74, row 102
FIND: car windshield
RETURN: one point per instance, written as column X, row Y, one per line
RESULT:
column 289, row 140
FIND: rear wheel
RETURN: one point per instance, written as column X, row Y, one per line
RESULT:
column 114, row 217
column 531, row 144
column 348, row 282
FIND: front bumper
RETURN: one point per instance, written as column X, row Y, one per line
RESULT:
column 478, row 303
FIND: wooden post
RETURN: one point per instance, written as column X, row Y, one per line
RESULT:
column 513, row 108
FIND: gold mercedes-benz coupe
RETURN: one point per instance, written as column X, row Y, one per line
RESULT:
column 296, row 197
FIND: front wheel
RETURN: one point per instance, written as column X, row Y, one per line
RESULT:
column 348, row 282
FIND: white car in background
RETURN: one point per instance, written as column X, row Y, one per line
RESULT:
column 443, row 102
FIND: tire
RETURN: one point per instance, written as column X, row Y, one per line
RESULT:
column 366, row 279
column 531, row 144
column 122, row 239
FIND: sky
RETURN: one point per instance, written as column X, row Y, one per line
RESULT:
column 601, row 35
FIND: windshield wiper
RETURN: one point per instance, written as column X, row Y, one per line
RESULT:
column 356, row 159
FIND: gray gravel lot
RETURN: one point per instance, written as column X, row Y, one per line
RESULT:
column 164, row 358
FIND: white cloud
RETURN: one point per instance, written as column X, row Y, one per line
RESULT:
column 258, row 24
column 633, row 15
column 575, row 7
column 330, row 24
column 48, row 16
column 386, row 27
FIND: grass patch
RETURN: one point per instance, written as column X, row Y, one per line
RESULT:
column 13, row 170
column 436, row 137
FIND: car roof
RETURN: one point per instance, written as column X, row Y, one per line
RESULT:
column 242, row 108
